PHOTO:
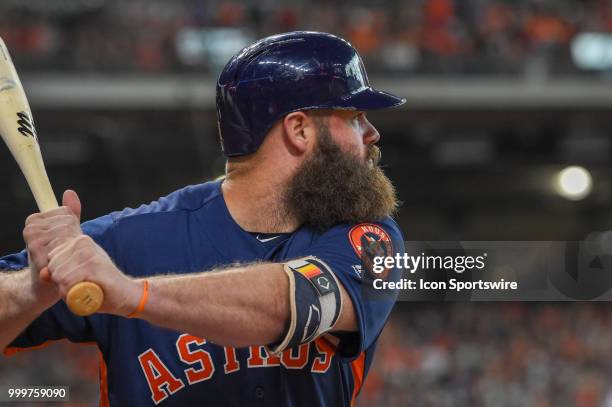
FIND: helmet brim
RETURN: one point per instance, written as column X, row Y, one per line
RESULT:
column 371, row 99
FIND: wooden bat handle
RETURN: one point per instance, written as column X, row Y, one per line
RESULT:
column 83, row 299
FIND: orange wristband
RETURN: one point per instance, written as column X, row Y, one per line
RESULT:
column 143, row 300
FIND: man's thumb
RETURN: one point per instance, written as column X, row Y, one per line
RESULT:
column 71, row 200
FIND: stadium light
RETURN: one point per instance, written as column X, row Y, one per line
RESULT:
column 592, row 51
column 574, row 183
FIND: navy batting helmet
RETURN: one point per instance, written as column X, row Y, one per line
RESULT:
column 285, row 73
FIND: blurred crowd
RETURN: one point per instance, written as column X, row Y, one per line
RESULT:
column 494, row 355
column 513, row 37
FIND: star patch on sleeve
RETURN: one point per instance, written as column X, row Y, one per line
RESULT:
column 370, row 241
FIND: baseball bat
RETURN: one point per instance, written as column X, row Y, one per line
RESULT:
column 18, row 132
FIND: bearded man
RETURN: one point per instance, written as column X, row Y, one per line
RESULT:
column 250, row 290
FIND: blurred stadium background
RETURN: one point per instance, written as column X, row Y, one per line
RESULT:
column 502, row 96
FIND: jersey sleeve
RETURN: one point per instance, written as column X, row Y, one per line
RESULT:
column 58, row 322
column 349, row 251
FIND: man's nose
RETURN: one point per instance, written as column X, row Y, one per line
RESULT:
column 371, row 135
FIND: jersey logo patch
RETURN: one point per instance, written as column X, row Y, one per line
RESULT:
column 370, row 241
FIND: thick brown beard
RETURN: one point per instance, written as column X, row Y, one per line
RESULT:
column 332, row 186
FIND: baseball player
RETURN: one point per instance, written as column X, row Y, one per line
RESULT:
column 250, row 290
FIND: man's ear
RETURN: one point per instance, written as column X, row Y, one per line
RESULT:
column 299, row 131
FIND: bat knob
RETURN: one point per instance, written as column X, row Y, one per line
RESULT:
column 85, row 298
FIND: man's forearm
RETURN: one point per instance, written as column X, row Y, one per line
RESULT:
column 236, row 307
column 239, row 307
column 19, row 305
